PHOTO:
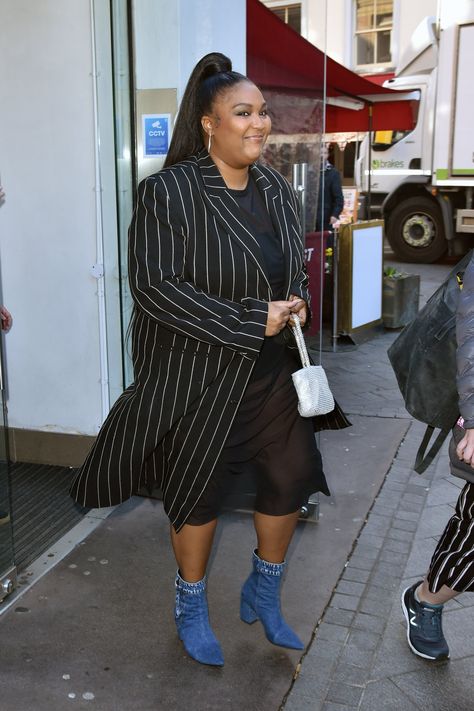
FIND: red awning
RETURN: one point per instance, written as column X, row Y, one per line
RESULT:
column 386, row 115
column 279, row 58
column 379, row 78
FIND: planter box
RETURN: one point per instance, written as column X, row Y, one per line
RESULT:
column 400, row 300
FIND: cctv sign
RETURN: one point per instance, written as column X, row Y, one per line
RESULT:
column 156, row 134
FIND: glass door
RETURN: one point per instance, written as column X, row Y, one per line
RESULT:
column 7, row 566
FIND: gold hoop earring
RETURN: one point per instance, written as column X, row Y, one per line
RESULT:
column 209, row 143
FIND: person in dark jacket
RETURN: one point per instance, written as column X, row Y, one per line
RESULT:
column 451, row 569
column 330, row 196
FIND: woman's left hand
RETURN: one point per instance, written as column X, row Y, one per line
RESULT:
column 300, row 308
column 465, row 448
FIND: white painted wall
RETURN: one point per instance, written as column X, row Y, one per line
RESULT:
column 171, row 37
column 326, row 27
column 47, row 223
column 211, row 26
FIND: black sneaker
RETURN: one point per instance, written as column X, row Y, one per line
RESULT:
column 424, row 628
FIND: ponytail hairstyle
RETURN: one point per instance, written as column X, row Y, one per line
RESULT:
column 212, row 75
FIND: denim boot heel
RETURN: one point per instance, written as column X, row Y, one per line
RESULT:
column 260, row 600
column 192, row 622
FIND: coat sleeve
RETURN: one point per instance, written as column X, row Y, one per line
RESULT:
column 299, row 286
column 337, row 196
column 465, row 350
column 157, row 248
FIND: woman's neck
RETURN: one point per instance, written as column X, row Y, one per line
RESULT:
column 234, row 178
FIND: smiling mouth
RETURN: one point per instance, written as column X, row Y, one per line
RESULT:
column 255, row 138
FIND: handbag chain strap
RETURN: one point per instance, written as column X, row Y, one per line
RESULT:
column 299, row 338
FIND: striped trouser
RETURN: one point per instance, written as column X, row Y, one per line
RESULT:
column 452, row 563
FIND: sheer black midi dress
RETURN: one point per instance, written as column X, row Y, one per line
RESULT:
column 268, row 436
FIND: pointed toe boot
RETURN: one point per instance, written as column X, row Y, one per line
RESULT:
column 192, row 622
column 260, row 600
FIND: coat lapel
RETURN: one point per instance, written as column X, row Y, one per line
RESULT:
column 227, row 212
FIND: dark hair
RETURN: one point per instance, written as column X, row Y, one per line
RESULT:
column 211, row 75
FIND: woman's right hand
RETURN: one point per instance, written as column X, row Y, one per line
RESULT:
column 279, row 313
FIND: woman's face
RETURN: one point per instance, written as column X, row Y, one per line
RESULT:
column 239, row 125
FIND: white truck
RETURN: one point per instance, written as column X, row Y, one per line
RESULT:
column 421, row 181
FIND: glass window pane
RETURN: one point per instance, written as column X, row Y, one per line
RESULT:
column 280, row 12
column 365, row 48
column 294, row 18
column 384, row 13
column 383, row 46
column 364, row 15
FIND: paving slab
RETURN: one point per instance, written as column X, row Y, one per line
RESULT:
column 447, row 686
column 100, row 623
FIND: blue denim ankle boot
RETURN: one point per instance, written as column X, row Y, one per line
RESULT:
column 192, row 622
column 260, row 600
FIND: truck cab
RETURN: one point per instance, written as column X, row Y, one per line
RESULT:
column 421, row 181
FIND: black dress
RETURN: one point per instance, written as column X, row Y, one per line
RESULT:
column 268, row 436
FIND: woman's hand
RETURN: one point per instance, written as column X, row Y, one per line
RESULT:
column 301, row 309
column 6, row 319
column 279, row 313
column 465, row 448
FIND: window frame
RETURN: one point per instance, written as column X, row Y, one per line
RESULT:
column 286, row 4
column 372, row 66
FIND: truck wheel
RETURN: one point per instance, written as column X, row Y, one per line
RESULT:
column 415, row 230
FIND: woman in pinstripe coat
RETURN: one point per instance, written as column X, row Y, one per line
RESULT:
column 216, row 270
column 451, row 569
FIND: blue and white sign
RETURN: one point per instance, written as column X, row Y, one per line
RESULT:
column 156, row 134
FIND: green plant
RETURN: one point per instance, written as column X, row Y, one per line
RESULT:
column 394, row 273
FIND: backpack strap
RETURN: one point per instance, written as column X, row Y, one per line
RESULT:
column 423, row 460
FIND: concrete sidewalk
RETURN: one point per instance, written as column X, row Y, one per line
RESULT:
column 97, row 632
column 359, row 658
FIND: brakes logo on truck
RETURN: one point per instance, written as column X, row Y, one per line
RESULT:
column 378, row 164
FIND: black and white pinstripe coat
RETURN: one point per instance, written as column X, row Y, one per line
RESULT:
column 198, row 280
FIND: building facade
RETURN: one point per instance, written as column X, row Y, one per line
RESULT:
column 368, row 36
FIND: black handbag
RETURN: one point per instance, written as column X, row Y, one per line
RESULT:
column 459, row 468
column 423, row 358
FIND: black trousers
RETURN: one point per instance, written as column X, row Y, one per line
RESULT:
column 270, row 437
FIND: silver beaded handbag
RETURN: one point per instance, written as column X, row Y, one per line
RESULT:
column 314, row 394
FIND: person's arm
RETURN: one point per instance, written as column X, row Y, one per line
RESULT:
column 156, row 268
column 465, row 363
column 337, row 197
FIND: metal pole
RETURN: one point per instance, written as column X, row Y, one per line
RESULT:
column 335, row 268
column 369, row 177
column 300, row 183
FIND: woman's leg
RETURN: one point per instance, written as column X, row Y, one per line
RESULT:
column 260, row 596
column 192, row 548
column 439, row 598
column 450, row 568
column 274, row 534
